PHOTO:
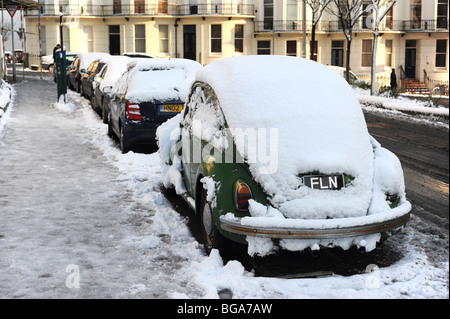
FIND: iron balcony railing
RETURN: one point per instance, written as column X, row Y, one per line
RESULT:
column 360, row 26
column 143, row 9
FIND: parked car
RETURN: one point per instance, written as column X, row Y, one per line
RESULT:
column 280, row 157
column 106, row 78
column 88, row 80
column 79, row 67
column 342, row 71
column 47, row 62
column 149, row 93
column 70, row 58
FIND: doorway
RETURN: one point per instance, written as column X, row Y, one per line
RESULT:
column 337, row 53
column 189, row 42
column 114, row 40
column 410, row 58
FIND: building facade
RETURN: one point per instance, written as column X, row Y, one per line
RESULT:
column 414, row 38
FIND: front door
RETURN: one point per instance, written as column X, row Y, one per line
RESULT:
column 114, row 40
column 410, row 59
column 337, row 53
column 189, row 42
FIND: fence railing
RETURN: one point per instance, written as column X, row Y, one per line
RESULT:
column 143, row 9
column 360, row 26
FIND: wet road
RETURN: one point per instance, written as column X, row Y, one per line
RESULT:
column 423, row 150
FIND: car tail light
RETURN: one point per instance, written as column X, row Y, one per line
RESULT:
column 243, row 195
column 134, row 111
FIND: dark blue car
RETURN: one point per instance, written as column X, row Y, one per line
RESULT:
column 147, row 95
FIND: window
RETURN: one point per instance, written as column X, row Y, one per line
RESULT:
column 239, row 38
column 268, row 14
column 43, row 40
column 117, row 6
column 162, row 6
column 139, row 38
column 366, row 53
column 442, row 14
column 139, row 6
column 366, row 17
column 291, row 10
column 388, row 53
column 389, row 19
column 263, row 47
column 441, row 53
column 216, row 38
column 164, row 38
column 87, row 39
column 416, row 14
column 291, row 48
column 316, row 46
column 337, row 53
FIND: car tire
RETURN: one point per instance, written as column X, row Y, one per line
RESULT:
column 124, row 147
column 105, row 113
column 212, row 238
column 110, row 129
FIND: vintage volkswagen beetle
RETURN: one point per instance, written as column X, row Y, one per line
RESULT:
column 274, row 152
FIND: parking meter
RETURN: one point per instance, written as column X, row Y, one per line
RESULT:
column 61, row 75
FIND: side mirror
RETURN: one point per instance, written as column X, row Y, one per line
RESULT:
column 107, row 90
column 82, row 71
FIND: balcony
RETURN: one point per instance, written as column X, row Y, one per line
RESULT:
column 143, row 10
column 282, row 26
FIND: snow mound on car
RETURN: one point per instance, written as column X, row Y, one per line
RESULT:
column 319, row 124
column 157, row 79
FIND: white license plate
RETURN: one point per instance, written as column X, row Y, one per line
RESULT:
column 334, row 181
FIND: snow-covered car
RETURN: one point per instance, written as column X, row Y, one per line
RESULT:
column 105, row 80
column 279, row 157
column 79, row 67
column 145, row 96
column 88, row 80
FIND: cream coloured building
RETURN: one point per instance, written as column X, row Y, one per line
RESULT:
column 413, row 36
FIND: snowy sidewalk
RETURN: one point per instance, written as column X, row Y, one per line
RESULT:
column 66, row 220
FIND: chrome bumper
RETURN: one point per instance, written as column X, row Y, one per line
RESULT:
column 236, row 226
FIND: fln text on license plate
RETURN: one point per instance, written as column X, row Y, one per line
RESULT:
column 170, row 108
column 333, row 181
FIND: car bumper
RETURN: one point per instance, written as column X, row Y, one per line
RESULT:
column 279, row 228
column 141, row 132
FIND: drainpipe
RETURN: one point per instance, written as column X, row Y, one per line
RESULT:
column 176, row 36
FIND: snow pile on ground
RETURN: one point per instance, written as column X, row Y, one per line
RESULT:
column 5, row 99
column 400, row 103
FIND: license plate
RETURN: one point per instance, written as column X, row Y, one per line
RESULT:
column 334, row 181
column 171, row 108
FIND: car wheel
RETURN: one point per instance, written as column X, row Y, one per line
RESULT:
column 110, row 129
column 124, row 147
column 212, row 239
column 50, row 68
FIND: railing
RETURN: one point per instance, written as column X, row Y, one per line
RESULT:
column 147, row 9
column 360, row 26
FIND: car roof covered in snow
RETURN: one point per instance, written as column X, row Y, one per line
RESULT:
column 87, row 58
column 157, row 79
